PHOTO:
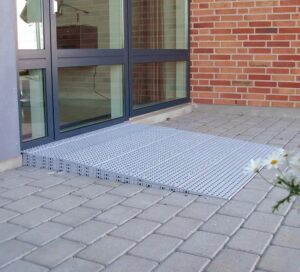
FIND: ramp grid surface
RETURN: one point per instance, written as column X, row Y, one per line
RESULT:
column 154, row 156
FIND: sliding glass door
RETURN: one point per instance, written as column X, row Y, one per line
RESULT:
column 86, row 64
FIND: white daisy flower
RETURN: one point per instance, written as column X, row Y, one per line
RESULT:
column 295, row 160
column 254, row 166
column 275, row 159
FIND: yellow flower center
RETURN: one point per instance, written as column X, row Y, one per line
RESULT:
column 273, row 162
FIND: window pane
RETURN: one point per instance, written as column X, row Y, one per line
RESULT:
column 89, row 95
column 154, row 83
column 30, row 24
column 89, row 24
column 31, row 87
column 159, row 24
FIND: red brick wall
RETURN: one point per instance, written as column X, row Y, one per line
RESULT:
column 245, row 52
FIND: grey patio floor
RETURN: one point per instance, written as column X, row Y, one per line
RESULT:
column 58, row 222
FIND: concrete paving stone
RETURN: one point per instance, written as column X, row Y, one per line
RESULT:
column 92, row 191
column 44, row 233
column 293, row 218
column 76, row 216
column 263, row 222
column 181, row 262
column 278, row 259
column 118, row 215
column 136, row 229
column 57, row 191
column 251, row 241
column 2, row 190
column 19, row 192
column 27, row 204
column 156, row 247
column 16, row 181
column 250, row 195
column 179, row 199
column 259, row 184
column 160, row 213
column 78, row 265
column 180, row 227
column 13, row 250
column 22, row 266
column 35, row 173
column 156, row 191
column 4, row 201
column 34, row 217
column 129, row 263
column 200, row 211
column 6, row 215
column 277, row 193
column 204, row 244
column 268, row 203
column 48, row 181
column 142, row 201
column 233, row 261
column 54, row 253
column 79, row 181
column 237, row 208
column 109, row 183
column 288, row 237
column 104, row 202
column 66, row 203
column 127, row 190
column 89, row 232
column 211, row 200
column 223, row 224
column 10, row 231
column 106, row 250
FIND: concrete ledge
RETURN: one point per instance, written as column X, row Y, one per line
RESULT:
column 162, row 115
column 250, row 111
column 10, row 164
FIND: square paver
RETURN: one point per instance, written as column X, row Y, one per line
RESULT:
column 204, row 244
column 160, row 213
column 9, row 231
column 92, row 191
column 156, row 247
column 127, row 190
column 34, row 217
column 54, row 253
column 211, row 200
column 179, row 199
column 129, row 263
column 23, row 266
column 263, row 222
column 106, row 250
column 201, row 211
column 250, row 195
column 27, row 204
column 181, row 262
column 288, row 237
column 104, row 202
column 4, row 201
column 118, row 215
column 15, row 181
column 142, row 201
column 19, row 192
column 237, row 208
column 223, row 224
column 76, row 216
column 233, row 261
column 5, row 215
column 48, row 181
column 57, row 191
column 12, row 250
column 65, row 203
column 78, row 265
column 136, row 229
column 79, row 181
column 90, row 231
column 293, row 218
column 44, row 233
column 251, row 241
column 180, row 227
column 278, row 259
column 267, row 206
